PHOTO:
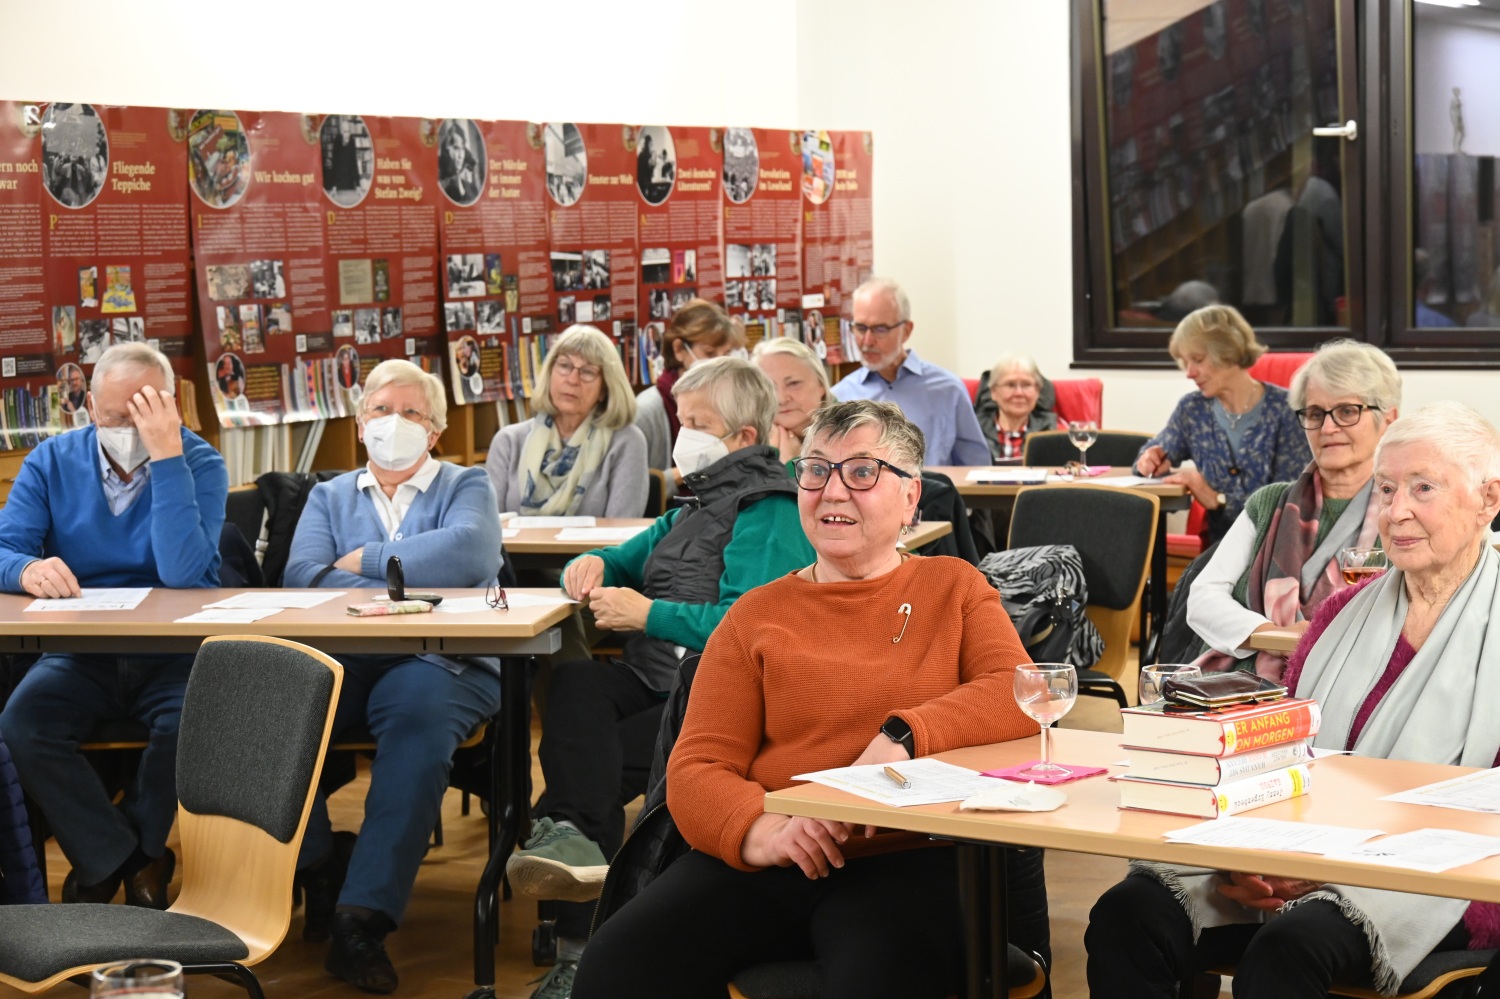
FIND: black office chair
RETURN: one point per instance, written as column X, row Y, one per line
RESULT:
column 1114, row 530
column 1052, row 448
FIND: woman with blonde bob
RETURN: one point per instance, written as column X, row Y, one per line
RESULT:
column 1280, row 559
column 1240, row 433
column 802, row 388
column 1403, row 667
column 581, row 455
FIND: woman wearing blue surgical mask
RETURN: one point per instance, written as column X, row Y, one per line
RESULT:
column 699, row 331
column 440, row 519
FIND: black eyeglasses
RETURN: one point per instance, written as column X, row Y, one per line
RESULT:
column 881, row 329
column 1346, row 415
column 858, row 473
column 494, row 595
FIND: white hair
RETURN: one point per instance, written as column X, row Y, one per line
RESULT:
column 1456, row 431
column 136, row 355
column 1345, row 367
column 398, row 371
column 876, row 285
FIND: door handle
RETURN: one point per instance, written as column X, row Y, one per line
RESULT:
column 1349, row 130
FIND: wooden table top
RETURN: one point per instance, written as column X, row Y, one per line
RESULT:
column 157, row 617
column 966, row 487
column 544, row 541
column 1345, row 792
column 1275, row 640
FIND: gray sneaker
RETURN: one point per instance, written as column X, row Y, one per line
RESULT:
column 559, row 862
column 557, row 983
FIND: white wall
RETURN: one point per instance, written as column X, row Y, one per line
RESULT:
column 1459, row 54
column 968, row 99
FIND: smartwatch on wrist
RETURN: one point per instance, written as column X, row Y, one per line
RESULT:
column 897, row 730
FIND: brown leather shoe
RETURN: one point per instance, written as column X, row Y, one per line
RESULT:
column 99, row 894
column 147, row 887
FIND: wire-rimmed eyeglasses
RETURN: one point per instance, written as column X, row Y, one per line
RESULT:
column 494, row 595
column 1344, row 415
column 857, row 473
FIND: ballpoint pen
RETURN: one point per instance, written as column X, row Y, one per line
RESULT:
column 900, row 781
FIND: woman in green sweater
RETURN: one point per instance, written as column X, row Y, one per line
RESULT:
column 1279, row 560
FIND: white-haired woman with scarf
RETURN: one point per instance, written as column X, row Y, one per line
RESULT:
column 1280, row 559
column 1406, row 666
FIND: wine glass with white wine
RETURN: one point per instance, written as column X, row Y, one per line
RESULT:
column 1083, row 433
column 1046, row 692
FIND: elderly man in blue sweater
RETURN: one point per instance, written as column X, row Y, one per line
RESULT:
column 440, row 520
column 132, row 500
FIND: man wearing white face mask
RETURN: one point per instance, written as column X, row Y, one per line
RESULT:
column 439, row 519
column 668, row 587
column 132, row 500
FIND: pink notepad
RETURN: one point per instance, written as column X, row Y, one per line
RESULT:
column 1069, row 773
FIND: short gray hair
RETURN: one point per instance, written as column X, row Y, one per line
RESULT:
column 1344, row 367
column 133, row 354
column 1016, row 360
column 1466, row 440
column 799, row 350
column 398, row 371
column 617, row 407
column 899, row 437
column 874, row 285
column 739, row 392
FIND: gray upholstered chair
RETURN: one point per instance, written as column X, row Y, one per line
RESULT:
column 255, row 724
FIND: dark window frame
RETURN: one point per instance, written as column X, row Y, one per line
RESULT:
column 1375, row 58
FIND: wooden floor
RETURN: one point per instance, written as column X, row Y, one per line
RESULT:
column 432, row 951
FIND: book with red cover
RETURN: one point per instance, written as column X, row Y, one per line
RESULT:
column 1223, row 732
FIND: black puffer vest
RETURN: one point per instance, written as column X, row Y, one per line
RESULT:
column 686, row 565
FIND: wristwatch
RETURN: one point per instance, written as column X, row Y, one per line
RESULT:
column 1222, row 500
column 897, row 730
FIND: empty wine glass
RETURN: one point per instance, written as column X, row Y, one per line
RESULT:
column 1046, row 692
column 1360, row 563
column 143, row 979
column 1083, row 433
column 1155, row 674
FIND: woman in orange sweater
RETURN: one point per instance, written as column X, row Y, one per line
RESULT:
column 865, row 656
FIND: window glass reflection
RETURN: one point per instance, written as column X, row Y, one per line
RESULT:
column 1456, row 133
column 1217, row 189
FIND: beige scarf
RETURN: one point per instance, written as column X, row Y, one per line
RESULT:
column 555, row 475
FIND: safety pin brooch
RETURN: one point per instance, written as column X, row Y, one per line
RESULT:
column 903, row 609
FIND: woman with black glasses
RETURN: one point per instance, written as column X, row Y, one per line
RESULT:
column 1279, row 560
column 866, row 656
column 666, row 590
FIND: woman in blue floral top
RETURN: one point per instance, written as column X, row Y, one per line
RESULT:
column 1240, row 433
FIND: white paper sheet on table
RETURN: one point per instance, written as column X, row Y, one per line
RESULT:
column 520, row 522
column 95, row 598
column 230, row 615
column 275, row 600
column 599, row 533
column 1123, row 480
column 1430, row 850
column 509, row 532
column 932, row 781
column 1476, row 792
column 1271, row 834
column 1008, row 476
column 535, row 599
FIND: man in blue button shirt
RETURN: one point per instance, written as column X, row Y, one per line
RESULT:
column 934, row 399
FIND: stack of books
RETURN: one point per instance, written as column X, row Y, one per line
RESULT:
column 1217, row 762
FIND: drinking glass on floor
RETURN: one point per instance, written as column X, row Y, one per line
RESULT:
column 144, row 979
column 1154, row 675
